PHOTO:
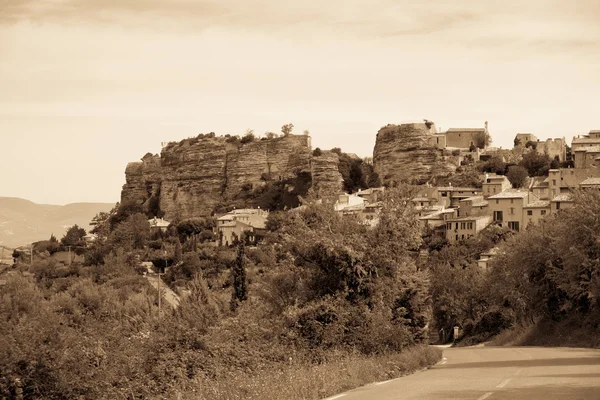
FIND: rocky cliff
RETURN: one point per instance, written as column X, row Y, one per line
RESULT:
column 404, row 153
column 327, row 179
column 195, row 176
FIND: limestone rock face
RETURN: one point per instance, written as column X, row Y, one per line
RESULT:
column 143, row 178
column 192, row 177
column 327, row 179
column 403, row 153
column 273, row 159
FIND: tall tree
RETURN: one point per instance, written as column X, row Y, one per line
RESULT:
column 238, row 272
column 517, row 176
column 74, row 236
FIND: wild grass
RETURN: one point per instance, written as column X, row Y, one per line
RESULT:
column 299, row 380
column 571, row 332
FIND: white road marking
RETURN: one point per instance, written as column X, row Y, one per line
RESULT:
column 485, row 396
column 384, row 382
column 500, row 386
column 519, row 371
column 335, row 397
column 443, row 362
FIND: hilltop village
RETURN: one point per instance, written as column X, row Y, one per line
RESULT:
column 463, row 184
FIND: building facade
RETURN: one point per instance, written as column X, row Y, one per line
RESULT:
column 506, row 208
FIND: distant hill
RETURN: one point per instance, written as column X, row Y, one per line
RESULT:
column 23, row 222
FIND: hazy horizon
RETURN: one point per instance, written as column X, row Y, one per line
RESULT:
column 88, row 86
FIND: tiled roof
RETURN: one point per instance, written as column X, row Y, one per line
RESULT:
column 233, row 224
column 591, row 181
column 539, row 181
column 538, row 204
column 474, row 218
column 458, row 189
column 586, row 140
column 158, row 222
column 511, row 194
column 428, row 199
column 562, row 197
column 472, row 198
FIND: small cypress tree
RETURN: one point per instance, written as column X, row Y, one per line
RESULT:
column 238, row 272
column 178, row 253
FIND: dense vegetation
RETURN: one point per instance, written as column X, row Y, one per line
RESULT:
column 540, row 275
column 320, row 293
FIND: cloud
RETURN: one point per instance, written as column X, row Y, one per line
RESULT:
column 379, row 18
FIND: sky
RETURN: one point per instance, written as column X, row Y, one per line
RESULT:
column 87, row 86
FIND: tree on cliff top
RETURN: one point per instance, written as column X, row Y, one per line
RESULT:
column 287, row 129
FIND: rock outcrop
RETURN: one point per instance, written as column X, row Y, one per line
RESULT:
column 193, row 177
column 404, row 153
column 327, row 179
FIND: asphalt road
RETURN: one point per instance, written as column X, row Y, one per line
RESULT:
column 497, row 373
column 167, row 294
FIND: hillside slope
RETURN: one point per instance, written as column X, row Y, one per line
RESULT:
column 22, row 221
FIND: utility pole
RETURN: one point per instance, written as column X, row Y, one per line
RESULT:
column 31, row 253
column 159, row 296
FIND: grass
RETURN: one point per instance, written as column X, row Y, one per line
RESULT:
column 570, row 332
column 308, row 382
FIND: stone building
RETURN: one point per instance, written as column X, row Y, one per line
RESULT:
column 493, row 184
column 466, row 227
column 585, row 157
column 535, row 211
column 233, row 225
column 464, row 138
column 563, row 180
column 507, row 207
column 521, row 139
column 591, row 139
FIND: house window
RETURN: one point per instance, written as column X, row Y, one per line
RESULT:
column 463, row 236
column 554, row 182
column 512, row 211
column 543, row 212
column 444, row 194
column 529, row 212
column 456, row 226
column 512, row 201
column 498, row 216
column 514, row 225
column 558, row 205
column 497, row 201
column 456, row 237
